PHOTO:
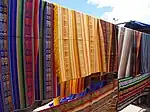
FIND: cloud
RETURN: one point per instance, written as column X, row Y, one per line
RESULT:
column 124, row 10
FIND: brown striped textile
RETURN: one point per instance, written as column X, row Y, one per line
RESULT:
column 109, row 46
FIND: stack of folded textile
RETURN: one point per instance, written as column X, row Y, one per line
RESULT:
column 95, row 85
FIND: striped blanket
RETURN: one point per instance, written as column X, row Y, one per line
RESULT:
column 103, row 100
column 130, row 88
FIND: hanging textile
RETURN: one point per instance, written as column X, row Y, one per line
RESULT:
column 129, row 42
column 89, row 45
column 71, row 87
column 41, row 30
column 125, row 52
column 17, row 36
column 65, row 44
column 108, row 46
column 1, row 99
column 48, row 47
column 145, row 53
column 13, row 52
column 19, row 51
column 136, row 53
column 113, row 50
column 73, row 45
column 36, row 37
column 81, row 48
column 28, row 47
column 62, row 45
column 48, row 52
column 5, row 79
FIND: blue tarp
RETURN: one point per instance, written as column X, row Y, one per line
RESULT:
column 138, row 26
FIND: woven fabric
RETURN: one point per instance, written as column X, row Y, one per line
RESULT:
column 145, row 50
column 71, row 87
column 130, row 88
column 125, row 37
column 36, row 37
column 41, row 50
column 108, row 46
column 19, row 51
column 129, row 57
column 28, row 47
column 93, row 46
column 27, row 79
column 137, row 51
column 1, row 99
column 55, row 51
column 6, row 90
column 48, row 51
column 13, row 52
column 83, row 70
column 83, row 45
column 63, row 67
column 91, row 102
column 64, row 43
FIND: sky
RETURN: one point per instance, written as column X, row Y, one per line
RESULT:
column 121, row 10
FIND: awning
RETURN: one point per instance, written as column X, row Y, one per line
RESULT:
column 138, row 26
